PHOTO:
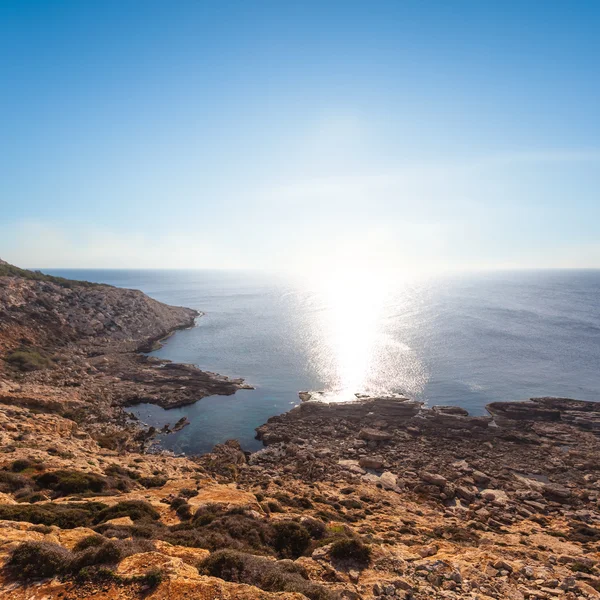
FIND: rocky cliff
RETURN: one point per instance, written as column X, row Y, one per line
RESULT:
column 73, row 348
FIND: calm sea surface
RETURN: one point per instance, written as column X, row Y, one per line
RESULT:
column 462, row 340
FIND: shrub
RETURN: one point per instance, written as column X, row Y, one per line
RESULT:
column 351, row 503
column 7, row 270
column 274, row 506
column 38, row 559
column 12, row 482
column 239, row 531
column 291, row 539
column 108, row 552
column 118, row 471
column 26, row 359
column 136, row 509
column 184, row 512
column 153, row 482
column 212, row 527
column 27, row 495
column 263, row 573
column 25, row 463
column 89, row 541
column 65, row 516
column 351, row 549
column 177, row 502
column 315, row 528
column 66, row 482
column 206, row 514
column 188, row 493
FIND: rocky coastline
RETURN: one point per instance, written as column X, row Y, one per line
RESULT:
column 376, row 498
column 78, row 349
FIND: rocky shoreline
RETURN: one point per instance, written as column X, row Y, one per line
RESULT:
column 376, row 498
column 77, row 348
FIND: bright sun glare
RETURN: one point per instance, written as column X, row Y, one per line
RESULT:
column 352, row 303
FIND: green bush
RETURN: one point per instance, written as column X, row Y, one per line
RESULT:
column 66, row 482
column 184, row 512
column 119, row 471
column 152, row 578
column 109, row 552
column 26, row 463
column 177, row 502
column 291, row 539
column 12, row 482
column 31, row 560
column 315, row 527
column 351, row 550
column 261, row 572
column 28, row 360
column 213, row 527
column 153, row 482
column 65, row 516
column 135, row 509
column 91, row 541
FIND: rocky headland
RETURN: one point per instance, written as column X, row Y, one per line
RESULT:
column 377, row 498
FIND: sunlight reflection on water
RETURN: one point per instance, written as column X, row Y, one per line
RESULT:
column 352, row 349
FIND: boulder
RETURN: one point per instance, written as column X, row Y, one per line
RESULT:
column 374, row 435
column 434, row 479
column 371, row 462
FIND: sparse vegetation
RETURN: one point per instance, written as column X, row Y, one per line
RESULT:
column 135, row 509
column 28, row 359
column 265, row 574
column 25, row 464
column 31, row 560
column 65, row 516
column 351, row 549
column 153, row 482
column 13, row 482
column 7, row 270
column 291, row 539
column 67, row 482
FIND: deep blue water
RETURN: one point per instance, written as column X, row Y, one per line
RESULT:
column 462, row 340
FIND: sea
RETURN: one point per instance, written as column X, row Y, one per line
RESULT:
column 465, row 340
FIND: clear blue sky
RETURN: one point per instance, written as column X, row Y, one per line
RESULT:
column 142, row 133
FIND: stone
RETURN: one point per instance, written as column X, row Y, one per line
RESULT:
column 371, row 462
column 496, row 496
column 388, row 480
column 434, row 479
column 374, row 435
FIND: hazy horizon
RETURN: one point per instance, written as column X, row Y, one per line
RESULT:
column 416, row 137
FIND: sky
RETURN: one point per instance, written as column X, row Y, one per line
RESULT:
column 300, row 135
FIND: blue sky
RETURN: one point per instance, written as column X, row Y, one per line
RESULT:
column 424, row 135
